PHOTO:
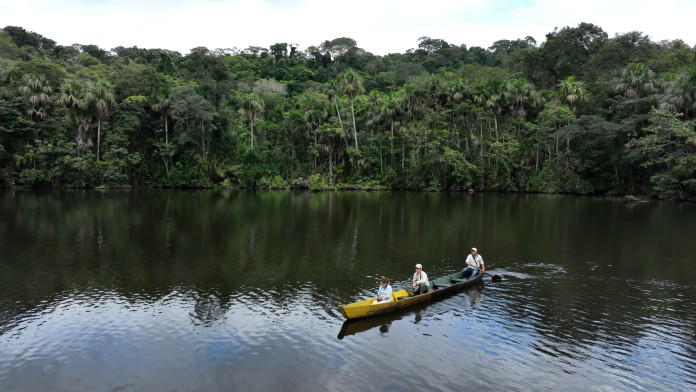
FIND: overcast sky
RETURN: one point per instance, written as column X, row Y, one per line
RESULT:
column 378, row 26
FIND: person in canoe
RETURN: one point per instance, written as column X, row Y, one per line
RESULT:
column 474, row 263
column 384, row 294
column 421, row 284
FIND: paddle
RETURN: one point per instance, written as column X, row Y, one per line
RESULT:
column 494, row 278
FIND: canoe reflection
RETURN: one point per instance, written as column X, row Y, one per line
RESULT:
column 352, row 327
column 355, row 326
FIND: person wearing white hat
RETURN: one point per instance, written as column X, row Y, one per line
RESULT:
column 474, row 263
column 420, row 281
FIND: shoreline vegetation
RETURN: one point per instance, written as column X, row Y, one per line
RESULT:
column 577, row 113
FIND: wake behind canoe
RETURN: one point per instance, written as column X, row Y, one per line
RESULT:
column 402, row 298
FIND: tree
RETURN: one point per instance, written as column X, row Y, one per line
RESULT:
column 680, row 94
column 491, row 96
column 521, row 94
column 338, row 47
column 119, row 159
column 552, row 119
column 570, row 91
column 100, row 99
column 315, row 114
column 637, row 80
column 351, row 84
column 21, row 37
column 390, row 108
column 73, row 96
column 432, row 45
column 163, row 107
column 566, row 51
column 279, row 50
column 37, row 93
column 252, row 105
column 668, row 151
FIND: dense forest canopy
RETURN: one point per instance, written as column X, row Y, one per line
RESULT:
column 580, row 112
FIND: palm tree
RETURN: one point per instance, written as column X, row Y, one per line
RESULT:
column 100, row 99
column 521, row 94
column 636, row 80
column 495, row 100
column 389, row 108
column 330, row 91
column 82, row 139
column 490, row 96
column 570, row 90
column 37, row 91
column 352, row 85
column 163, row 107
column 456, row 90
column 72, row 95
column 313, row 105
column 406, row 101
column 680, row 94
column 253, row 105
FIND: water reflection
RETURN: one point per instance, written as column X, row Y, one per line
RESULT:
column 238, row 291
column 414, row 313
column 382, row 322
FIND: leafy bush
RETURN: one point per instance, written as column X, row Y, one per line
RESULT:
column 276, row 182
column 320, row 182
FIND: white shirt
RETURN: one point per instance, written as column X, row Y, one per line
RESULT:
column 476, row 262
column 420, row 277
column 384, row 292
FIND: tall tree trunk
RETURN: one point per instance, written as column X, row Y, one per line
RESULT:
column 495, row 123
column 355, row 130
column 403, row 155
column 381, row 160
column 166, row 131
column 391, row 141
column 483, row 162
column 98, row 136
column 330, row 166
column 251, row 125
column 205, row 152
column 315, row 144
column 343, row 130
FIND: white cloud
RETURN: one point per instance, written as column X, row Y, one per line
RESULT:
column 379, row 26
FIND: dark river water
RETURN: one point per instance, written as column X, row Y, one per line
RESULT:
column 236, row 291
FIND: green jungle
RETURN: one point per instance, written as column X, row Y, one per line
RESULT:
column 580, row 113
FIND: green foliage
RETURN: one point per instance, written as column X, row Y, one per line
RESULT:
column 668, row 152
column 559, row 178
column 568, row 115
column 189, row 172
column 276, row 182
column 319, row 182
column 53, row 164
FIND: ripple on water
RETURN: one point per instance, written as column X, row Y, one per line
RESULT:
column 528, row 332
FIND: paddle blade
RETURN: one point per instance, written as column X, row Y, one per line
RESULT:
column 496, row 278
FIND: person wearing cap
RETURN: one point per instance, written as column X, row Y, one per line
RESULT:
column 384, row 294
column 421, row 284
column 474, row 263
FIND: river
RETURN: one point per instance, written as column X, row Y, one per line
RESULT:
column 238, row 291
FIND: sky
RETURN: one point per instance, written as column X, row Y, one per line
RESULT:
column 378, row 26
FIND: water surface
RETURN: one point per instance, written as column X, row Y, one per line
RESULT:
column 236, row 291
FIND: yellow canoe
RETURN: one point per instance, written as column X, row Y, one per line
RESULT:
column 402, row 298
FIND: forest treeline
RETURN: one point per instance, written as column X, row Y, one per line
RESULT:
column 579, row 113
